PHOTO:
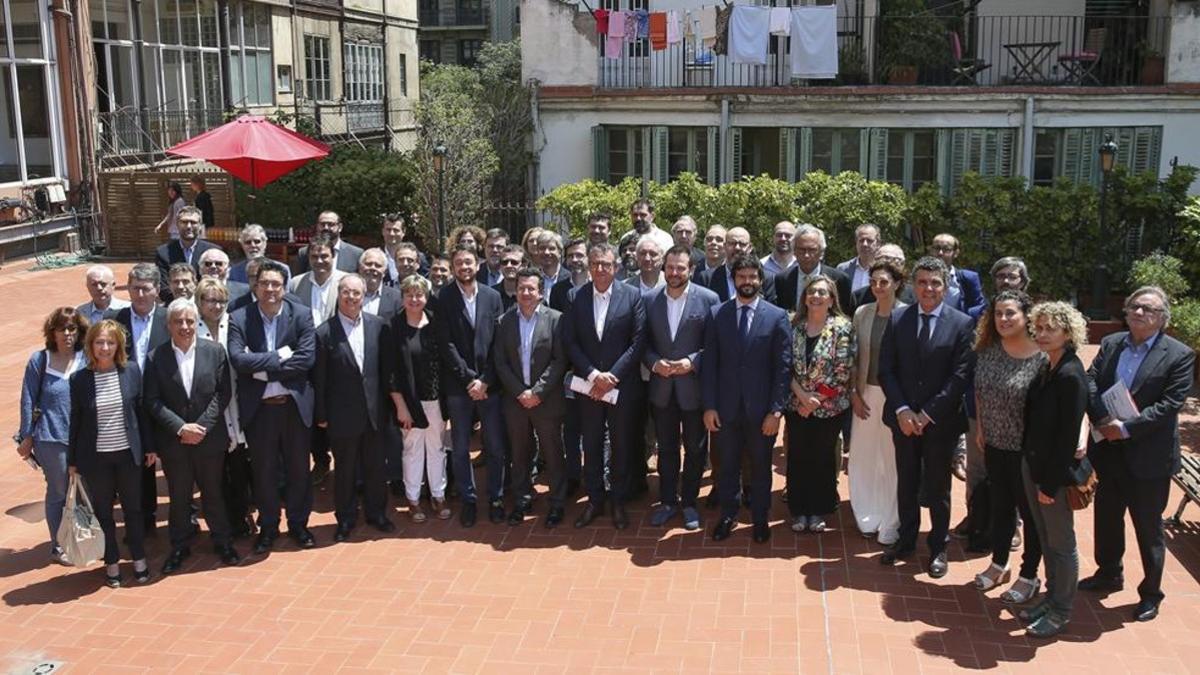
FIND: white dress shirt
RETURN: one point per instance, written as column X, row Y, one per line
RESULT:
column 469, row 302
column 753, row 305
column 141, row 326
column 188, row 252
column 354, row 337
column 600, row 309
column 317, row 298
column 934, row 317
column 269, row 324
column 675, row 308
column 525, row 328
column 371, row 303
column 187, row 364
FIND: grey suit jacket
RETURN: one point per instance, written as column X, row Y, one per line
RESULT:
column 302, row 286
column 547, row 362
column 346, row 261
column 688, row 343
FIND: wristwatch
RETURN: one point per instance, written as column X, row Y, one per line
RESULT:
column 778, row 414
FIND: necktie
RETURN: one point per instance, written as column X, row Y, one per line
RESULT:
column 744, row 321
column 923, row 335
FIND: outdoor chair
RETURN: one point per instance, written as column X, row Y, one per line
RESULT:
column 1081, row 65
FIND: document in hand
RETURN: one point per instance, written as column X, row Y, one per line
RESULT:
column 1119, row 404
column 582, row 386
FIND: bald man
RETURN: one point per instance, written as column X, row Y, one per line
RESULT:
column 737, row 242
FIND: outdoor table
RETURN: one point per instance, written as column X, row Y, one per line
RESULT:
column 1029, row 57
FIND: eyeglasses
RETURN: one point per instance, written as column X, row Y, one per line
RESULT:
column 214, row 263
column 216, row 302
column 510, row 262
column 818, row 292
column 942, row 248
column 1007, row 276
column 69, row 329
column 1148, row 309
column 807, row 251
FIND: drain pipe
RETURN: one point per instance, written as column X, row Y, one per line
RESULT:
column 723, row 136
column 1027, row 141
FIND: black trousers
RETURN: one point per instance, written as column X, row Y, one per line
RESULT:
column 149, row 492
column 348, row 451
column 618, row 421
column 573, row 440
column 1145, row 500
column 812, row 464
column 740, row 439
column 671, row 424
column 320, row 446
column 237, row 484
column 186, row 467
column 1006, row 490
column 923, row 473
column 639, row 449
column 522, row 425
column 115, row 474
column 277, row 434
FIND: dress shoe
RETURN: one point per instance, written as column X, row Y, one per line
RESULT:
column 302, row 537
column 228, row 555
column 938, row 566
column 1046, row 626
column 175, row 560
column 1146, row 610
column 382, row 524
column 711, row 501
column 343, row 532
column 723, row 529
column 467, row 516
column 554, row 518
column 893, row 555
column 1102, row 583
column 518, row 514
column 663, row 514
column 496, row 512
column 762, row 533
column 619, row 517
column 320, row 472
column 590, row 513
column 265, row 541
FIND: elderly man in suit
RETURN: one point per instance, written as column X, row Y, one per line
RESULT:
column 215, row 263
column 605, row 338
column 809, row 247
column 145, row 324
column 186, row 249
column 677, row 320
column 468, row 312
column 925, row 362
column 746, row 368
column 1136, row 457
column 272, row 345
column 253, row 239
column 351, row 375
column 684, row 233
column 379, row 300
column 964, row 291
column 100, row 287
column 721, row 281
column 345, row 255
column 530, row 363
column 186, row 387
column 858, row 268
column 317, row 287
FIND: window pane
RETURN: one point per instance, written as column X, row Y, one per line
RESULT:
column 1044, row 155
column 10, row 161
column 924, row 161
column 168, row 21
column 4, row 31
column 618, row 154
column 235, row 78
column 265, row 90
column 26, row 29
column 822, row 150
column 848, row 143
column 189, row 25
column 149, row 21
column 208, row 22
column 173, row 95
column 677, row 151
column 212, row 82
column 35, row 121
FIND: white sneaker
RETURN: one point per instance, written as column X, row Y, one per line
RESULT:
column 799, row 524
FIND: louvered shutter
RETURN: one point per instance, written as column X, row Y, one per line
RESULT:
column 713, row 173
column 659, row 144
column 787, row 154
column 878, row 150
column 600, row 153
column 735, row 154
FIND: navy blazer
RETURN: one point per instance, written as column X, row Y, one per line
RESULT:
column 170, row 253
column 81, row 451
column 351, row 402
column 170, row 406
column 932, row 377
column 688, row 343
column 788, row 294
column 561, row 296
column 467, row 350
column 158, row 329
column 970, row 298
column 1159, row 389
column 620, row 351
column 718, row 282
column 750, row 375
column 248, row 354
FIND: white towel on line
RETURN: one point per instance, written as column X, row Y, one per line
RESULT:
column 706, row 24
column 748, row 34
column 781, row 20
column 814, row 48
column 673, row 28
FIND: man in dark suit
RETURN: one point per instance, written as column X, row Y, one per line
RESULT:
column 530, row 364
column 253, row 239
column 494, row 244
column 684, row 234
column 467, row 316
column 215, row 263
column 561, row 297
column 405, row 260
column 858, row 268
column 378, row 300
column 550, row 255
column 677, row 320
column 187, row 389
column 182, row 281
column 512, row 260
column 1136, row 457
column 272, row 345
column 965, row 290
column 809, row 246
column 186, row 249
column 352, row 372
column 746, row 368
column 925, row 362
column 605, row 337
column 251, row 270
column 575, row 260
column 345, row 254
column 721, row 281
column 393, row 238
column 145, row 324
column 714, row 255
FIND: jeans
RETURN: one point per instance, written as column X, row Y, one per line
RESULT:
column 462, row 411
column 1056, row 529
column 53, row 458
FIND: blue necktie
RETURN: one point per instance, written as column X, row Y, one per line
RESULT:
column 744, row 321
column 923, row 334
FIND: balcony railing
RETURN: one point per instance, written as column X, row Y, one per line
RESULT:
column 127, row 132
column 992, row 51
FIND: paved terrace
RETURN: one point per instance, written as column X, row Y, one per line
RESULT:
column 437, row 598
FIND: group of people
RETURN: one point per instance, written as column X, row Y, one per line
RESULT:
column 582, row 363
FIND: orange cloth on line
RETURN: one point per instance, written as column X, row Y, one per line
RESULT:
column 658, row 31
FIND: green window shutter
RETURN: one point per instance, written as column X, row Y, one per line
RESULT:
column 804, row 151
column 952, row 157
column 713, row 176
column 864, row 155
column 659, row 143
column 1147, row 149
column 600, row 153
column 878, row 151
column 1080, row 163
column 735, row 154
column 647, row 159
column 1006, row 152
column 787, row 154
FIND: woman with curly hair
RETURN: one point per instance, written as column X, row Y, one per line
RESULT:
column 468, row 235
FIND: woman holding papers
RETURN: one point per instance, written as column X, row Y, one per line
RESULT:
column 1054, row 411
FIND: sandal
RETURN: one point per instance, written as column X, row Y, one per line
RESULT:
column 1022, row 591
column 1049, row 625
column 992, row 577
column 1030, row 615
column 443, row 511
column 416, row 512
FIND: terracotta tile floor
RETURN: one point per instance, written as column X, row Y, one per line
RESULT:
column 440, row 599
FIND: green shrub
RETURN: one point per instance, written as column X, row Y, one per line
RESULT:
column 1185, row 322
column 1162, row 270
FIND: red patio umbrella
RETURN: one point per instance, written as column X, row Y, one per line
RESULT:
column 253, row 149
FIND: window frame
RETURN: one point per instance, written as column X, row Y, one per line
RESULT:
column 239, row 51
column 316, row 87
column 47, row 63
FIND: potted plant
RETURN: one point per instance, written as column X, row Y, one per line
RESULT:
column 852, row 65
column 1154, row 66
column 911, row 39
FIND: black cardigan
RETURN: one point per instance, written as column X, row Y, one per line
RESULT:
column 1054, row 409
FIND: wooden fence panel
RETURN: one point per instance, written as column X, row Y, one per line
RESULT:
column 133, row 202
